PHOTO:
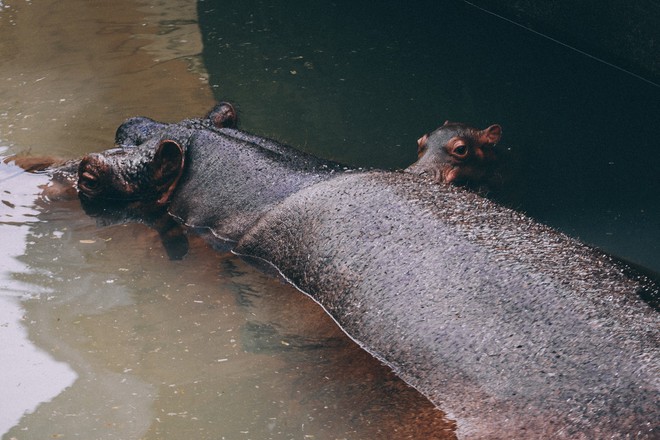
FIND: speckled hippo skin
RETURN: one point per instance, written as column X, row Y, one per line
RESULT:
column 188, row 158
column 512, row 328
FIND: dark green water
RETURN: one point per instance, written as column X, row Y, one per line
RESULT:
column 359, row 82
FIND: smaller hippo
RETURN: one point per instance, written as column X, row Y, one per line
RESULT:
column 126, row 198
column 458, row 154
column 133, row 132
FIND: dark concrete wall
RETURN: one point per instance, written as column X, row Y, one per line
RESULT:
column 622, row 32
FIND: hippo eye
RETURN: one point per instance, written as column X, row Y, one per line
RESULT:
column 460, row 150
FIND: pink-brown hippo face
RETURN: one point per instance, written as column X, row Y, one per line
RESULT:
column 458, row 154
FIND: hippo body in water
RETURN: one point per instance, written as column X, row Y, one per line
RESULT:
column 512, row 328
column 187, row 158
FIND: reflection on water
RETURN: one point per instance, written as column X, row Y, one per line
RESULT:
column 29, row 374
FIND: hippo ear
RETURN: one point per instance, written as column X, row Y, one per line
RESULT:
column 223, row 115
column 168, row 166
column 421, row 144
column 492, row 134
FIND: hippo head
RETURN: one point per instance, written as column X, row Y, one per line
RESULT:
column 146, row 165
column 147, row 173
column 458, row 154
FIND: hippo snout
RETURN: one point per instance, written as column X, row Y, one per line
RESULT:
column 90, row 172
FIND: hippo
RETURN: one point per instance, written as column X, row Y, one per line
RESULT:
column 459, row 154
column 513, row 329
column 454, row 154
column 131, row 195
column 136, row 180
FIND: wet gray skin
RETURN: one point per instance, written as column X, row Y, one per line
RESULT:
column 135, row 181
column 149, row 170
column 512, row 328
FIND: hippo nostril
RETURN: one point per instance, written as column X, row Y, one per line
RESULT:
column 89, row 180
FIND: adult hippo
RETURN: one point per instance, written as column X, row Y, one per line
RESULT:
column 512, row 328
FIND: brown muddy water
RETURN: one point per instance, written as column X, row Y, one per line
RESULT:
column 101, row 336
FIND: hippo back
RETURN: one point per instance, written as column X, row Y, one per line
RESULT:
column 231, row 177
column 510, row 327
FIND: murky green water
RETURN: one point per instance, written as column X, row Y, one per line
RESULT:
column 103, row 337
column 360, row 83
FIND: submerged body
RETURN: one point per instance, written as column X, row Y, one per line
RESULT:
column 512, row 328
